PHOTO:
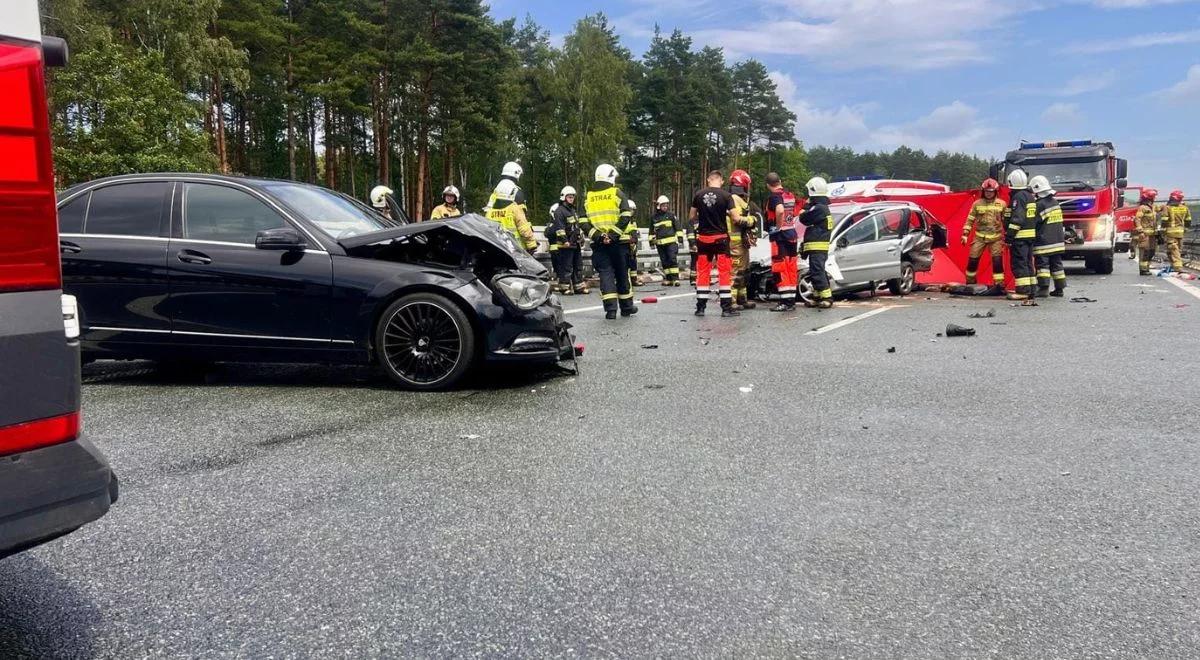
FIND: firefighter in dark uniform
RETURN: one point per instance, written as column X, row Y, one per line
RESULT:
column 566, row 244
column 781, row 230
column 1020, row 234
column 1145, row 229
column 818, row 229
column 604, row 225
column 1050, row 244
column 665, row 235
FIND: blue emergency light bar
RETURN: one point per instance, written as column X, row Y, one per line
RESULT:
column 1052, row 145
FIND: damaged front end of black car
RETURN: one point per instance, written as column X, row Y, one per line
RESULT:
column 515, row 316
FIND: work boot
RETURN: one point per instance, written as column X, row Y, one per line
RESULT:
column 784, row 307
column 676, row 283
column 1059, row 287
column 746, row 304
column 728, row 311
column 610, row 314
column 1132, row 255
column 996, row 290
column 825, row 303
column 811, row 304
column 701, row 306
column 1043, row 291
column 629, row 312
column 584, row 290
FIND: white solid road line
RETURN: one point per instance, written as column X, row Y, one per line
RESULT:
column 1187, row 288
column 845, row 322
column 660, row 298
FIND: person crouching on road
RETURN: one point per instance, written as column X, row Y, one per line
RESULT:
column 449, row 207
column 665, row 236
column 712, row 209
column 1020, row 232
column 743, row 234
column 781, row 231
column 505, row 210
column 605, row 223
column 818, row 229
column 1050, row 244
column 987, row 219
column 1177, row 218
column 1145, row 229
column 566, row 244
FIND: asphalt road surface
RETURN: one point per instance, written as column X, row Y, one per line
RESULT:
column 776, row 485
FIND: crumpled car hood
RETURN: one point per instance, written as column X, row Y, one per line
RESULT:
column 479, row 231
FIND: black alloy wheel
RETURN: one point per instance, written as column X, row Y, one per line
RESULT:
column 425, row 342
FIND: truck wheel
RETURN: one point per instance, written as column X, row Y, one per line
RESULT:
column 903, row 285
column 1102, row 264
column 425, row 342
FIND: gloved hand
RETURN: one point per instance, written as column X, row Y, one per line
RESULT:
column 963, row 240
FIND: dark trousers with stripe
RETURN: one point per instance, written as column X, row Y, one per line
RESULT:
column 1050, row 268
column 817, row 274
column 668, row 256
column 610, row 261
column 1020, row 255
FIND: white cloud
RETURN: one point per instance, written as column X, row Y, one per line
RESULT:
column 891, row 34
column 1062, row 113
column 953, row 127
column 1186, row 89
column 1152, row 40
column 1088, row 83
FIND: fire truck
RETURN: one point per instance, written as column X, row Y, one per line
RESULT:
column 1090, row 181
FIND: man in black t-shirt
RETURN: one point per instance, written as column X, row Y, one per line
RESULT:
column 712, row 207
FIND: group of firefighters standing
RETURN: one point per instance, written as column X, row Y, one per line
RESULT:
column 723, row 224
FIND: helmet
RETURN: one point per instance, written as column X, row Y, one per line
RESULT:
column 1040, row 186
column 990, row 184
column 1176, row 195
column 378, row 193
column 662, row 199
column 506, row 191
column 606, row 173
column 567, row 190
column 1149, row 194
column 512, row 169
column 632, row 204
column 451, row 190
column 1018, row 180
column 741, row 179
column 817, row 187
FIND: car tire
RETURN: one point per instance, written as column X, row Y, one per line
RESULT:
column 804, row 292
column 903, row 285
column 423, row 342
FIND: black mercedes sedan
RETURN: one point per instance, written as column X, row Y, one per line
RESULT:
column 199, row 268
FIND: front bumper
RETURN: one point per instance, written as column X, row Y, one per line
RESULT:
column 1089, row 247
column 49, row 492
column 539, row 335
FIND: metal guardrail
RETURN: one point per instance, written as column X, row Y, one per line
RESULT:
column 647, row 256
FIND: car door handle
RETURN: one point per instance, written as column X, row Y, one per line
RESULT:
column 893, row 249
column 67, row 247
column 194, row 257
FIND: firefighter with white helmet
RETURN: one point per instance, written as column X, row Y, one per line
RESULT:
column 449, row 208
column 510, row 173
column 1049, row 245
column 665, row 235
column 379, row 195
column 1020, row 233
column 605, row 222
column 818, row 229
column 566, row 244
column 510, row 214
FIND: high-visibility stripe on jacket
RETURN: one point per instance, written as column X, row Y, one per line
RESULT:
column 1021, row 216
column 818, row 223
column 602, row 206
column 1176, row 219
column 986, row 218
column 1051, row 235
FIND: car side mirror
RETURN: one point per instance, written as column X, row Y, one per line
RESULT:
column 1122, row 184
column 994, row 171
column 281, row 238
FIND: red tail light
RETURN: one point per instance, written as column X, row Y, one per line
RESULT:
column 28, row 218
column 38, row 433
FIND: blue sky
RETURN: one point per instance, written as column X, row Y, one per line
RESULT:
column 971, row 75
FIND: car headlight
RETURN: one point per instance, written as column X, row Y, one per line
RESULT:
column 525, row 293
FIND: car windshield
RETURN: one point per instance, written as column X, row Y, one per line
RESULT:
column 331, row 213
column 1069, row 173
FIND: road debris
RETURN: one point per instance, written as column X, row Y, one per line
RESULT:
column 650, row 299
column 990, row 314
column 469, row 436
column 953, row 330
column 747, row 389
column 650, row 346
column 1083, row 299
column 892, row 349
column 655, row 386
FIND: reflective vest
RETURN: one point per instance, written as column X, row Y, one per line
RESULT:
column 737, row 230
column 1176, row 219
column 663, row 229
column 603, row 209
column 1051, row 235
column 786, row 227
column 987, row 219
column 507, row 217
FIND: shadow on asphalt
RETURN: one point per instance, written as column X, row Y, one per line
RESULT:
column 142, row 373
column 43, row 615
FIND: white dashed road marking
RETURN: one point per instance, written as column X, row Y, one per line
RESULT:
column 1187, row 288
column 845, row 322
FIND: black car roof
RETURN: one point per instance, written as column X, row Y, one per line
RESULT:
column 252, row 181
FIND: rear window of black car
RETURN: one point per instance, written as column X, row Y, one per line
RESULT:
column 70, row 216
column 128, row 209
